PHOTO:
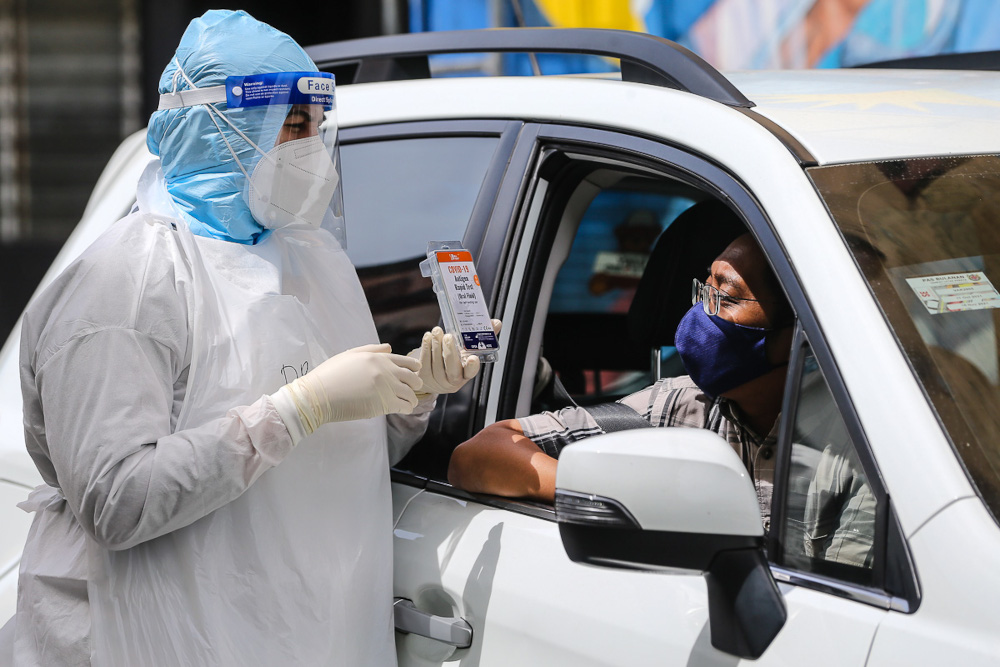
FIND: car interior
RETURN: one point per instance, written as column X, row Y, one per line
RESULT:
column 608, row 280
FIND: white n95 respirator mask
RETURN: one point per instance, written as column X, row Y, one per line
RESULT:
column 293, row 183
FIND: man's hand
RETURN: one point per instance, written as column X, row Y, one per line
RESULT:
column 502, row 461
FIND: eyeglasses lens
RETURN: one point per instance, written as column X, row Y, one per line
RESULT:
column 708, row 296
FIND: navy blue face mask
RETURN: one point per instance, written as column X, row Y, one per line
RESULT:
column 720, row 355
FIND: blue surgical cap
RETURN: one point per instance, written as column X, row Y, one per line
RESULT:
column 202, row 177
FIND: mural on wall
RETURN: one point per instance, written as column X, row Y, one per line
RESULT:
column 742, row 34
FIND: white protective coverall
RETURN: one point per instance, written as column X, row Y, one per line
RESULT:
column 169, row 512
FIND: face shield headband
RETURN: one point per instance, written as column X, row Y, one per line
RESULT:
column 296, row 182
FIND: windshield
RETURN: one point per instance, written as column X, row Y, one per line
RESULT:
column 926, row 234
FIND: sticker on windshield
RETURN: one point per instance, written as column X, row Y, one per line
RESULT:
column 955, row 292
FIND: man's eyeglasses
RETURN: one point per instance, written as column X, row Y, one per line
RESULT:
column 712, row 298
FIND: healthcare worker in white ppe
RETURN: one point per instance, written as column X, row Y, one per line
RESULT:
column 205, row 397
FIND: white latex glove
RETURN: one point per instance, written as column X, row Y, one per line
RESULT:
column 444, row 367
column 359, row 383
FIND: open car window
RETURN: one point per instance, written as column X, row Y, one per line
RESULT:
column 586, row 340
column 597, row 222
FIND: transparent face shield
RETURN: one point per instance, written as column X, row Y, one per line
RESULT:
column 294, row 178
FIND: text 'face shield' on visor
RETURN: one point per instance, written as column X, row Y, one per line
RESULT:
column 295, row 177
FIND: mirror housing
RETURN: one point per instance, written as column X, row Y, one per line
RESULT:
column 668, row 499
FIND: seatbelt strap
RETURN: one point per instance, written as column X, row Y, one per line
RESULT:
column 559, row 391
column 613, row 417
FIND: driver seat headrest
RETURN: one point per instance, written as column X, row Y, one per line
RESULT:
column 684, row 251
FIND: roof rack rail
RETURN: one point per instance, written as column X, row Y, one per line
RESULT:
column 973, row 60
column 644, row 58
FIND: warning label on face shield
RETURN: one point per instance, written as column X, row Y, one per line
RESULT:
column 465, row 295
column 955, row 292
column 280, row 88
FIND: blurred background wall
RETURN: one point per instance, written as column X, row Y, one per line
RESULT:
column 77, row 76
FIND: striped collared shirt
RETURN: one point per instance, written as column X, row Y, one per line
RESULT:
column 669, row 402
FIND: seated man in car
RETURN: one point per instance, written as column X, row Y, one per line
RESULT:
column 734, row 342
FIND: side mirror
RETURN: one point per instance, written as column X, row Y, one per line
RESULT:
column 674, row 498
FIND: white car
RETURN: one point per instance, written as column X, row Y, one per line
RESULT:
column 875, row 194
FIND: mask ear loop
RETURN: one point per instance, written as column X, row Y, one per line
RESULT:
column 179, row 71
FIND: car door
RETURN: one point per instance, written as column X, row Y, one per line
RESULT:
column 486, row 580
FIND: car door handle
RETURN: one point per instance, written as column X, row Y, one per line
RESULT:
column 455, row 631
